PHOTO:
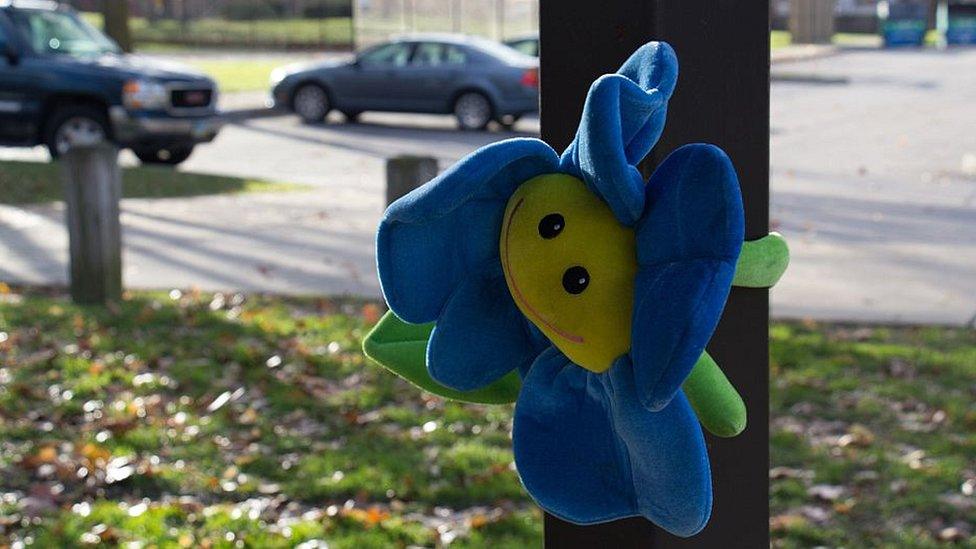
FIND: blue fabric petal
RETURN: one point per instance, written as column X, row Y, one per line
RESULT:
column 565, row 449
column 687, row 246
column 432, row 238
column 588, row 452
column 622, row 119
column 480, row 336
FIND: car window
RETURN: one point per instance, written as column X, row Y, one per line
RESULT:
column 429, row 54
column 61, row 32
column 395, row 55
column 456, row 55
column 528, row 47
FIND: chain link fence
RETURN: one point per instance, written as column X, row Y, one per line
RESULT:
column 377, row 20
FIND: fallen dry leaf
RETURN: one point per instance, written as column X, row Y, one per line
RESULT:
column 371, row 313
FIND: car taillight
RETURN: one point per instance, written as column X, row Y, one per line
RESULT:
column 530, row 78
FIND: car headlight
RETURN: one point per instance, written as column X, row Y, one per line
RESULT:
column 144, row 95
column 277, row 75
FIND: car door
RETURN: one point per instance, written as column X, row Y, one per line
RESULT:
column 376, row 83
column 428, row 80
column 17, row 90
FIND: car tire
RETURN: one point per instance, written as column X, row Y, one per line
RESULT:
column 473, row 111
column 167, row 156
column 72, row 125
column 311, row 103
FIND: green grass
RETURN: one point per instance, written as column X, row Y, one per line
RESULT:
column 335, row 31
column 779, row 39
column 35, row 182
column 193, row 419
column 887, row 415
column 308, row 432
column 782, row 39
column 237, row 75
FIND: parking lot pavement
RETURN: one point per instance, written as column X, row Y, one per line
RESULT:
column 871, row 184
column 337, row 155
column 874, row 184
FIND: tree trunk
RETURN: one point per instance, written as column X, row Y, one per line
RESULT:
column 116, row 16
column 812, row 21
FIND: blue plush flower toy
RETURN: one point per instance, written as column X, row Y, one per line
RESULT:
column 569, row 284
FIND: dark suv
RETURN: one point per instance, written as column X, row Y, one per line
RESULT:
column 64, row 82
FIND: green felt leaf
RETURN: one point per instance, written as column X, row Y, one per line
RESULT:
column 762, row 262
column 402, row 348
column 717, row 404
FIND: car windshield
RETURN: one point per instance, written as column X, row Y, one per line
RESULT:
column 61, row 32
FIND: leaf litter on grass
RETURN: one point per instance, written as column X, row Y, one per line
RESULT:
column 190, row 419
column 167, row 420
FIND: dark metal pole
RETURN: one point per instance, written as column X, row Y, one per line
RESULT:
column 722, row 97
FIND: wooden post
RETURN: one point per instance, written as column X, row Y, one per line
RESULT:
column 812, row 21
column 406, row 173
column 722, row 97
column 92, row 190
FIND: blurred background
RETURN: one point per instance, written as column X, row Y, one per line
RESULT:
column 224, row 401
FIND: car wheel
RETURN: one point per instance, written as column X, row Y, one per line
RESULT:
column 169, row 156
column 473, row 111
column 75, row 125
column 311, row 103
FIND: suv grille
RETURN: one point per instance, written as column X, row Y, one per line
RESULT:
column 191, row 98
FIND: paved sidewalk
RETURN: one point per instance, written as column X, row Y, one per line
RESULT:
column 292, row 242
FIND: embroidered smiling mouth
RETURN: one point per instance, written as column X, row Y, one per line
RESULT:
column 517, row 292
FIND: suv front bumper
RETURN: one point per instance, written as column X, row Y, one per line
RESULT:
column 150, row 129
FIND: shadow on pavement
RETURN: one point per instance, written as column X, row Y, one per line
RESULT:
column 369, row 137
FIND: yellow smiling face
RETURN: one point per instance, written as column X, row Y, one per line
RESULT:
column 570, row 265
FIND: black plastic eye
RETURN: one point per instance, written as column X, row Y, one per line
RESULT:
column 551, row 225
column 576, row 279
